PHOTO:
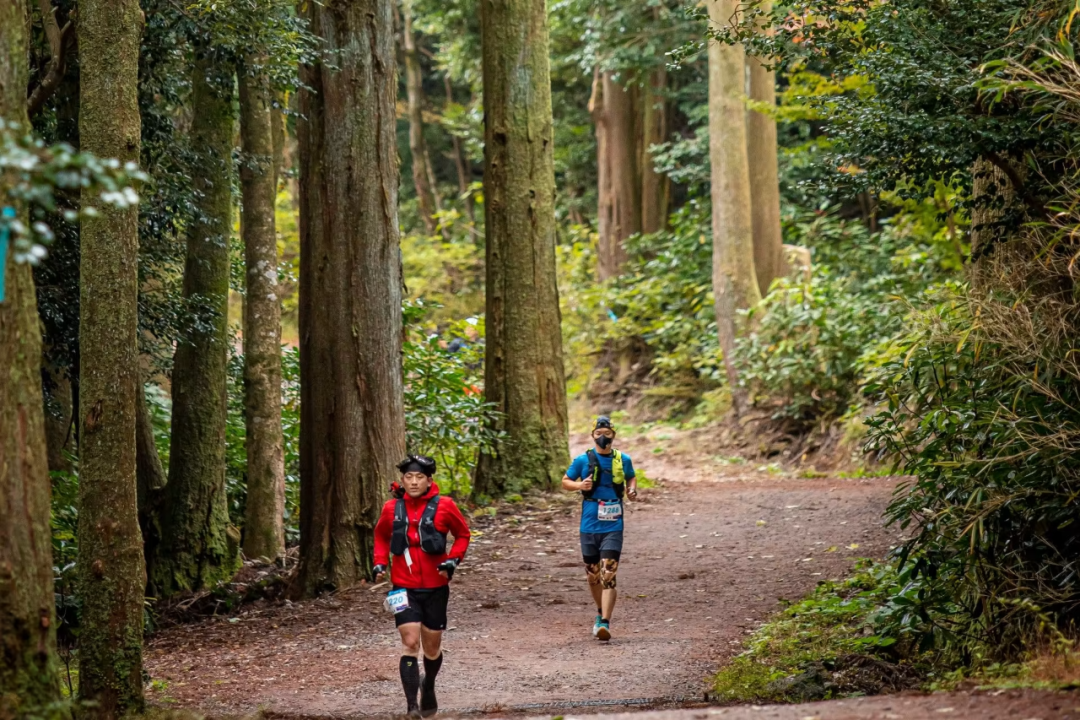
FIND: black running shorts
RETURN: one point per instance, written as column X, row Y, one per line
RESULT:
column 595, row 546
column 427, row 607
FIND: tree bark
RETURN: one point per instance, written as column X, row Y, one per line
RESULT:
column 769, row 260
column 58, row 410
column 198, row 548
column 414, row 87
column 655, row 188
column 619, row 191
column 352, row 429
column 28, row 663
column 277, row 134
column 735, row 283
column 149, row 474
column 111, row 571
column 523, row 373
column 264, row 523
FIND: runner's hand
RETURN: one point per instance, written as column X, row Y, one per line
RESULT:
column 586, row 484
column 380, row 572
column 447, row 569
column 632, row 494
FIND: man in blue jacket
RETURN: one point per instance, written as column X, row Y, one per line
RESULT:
column 603, row 476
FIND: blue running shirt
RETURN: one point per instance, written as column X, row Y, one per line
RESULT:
column 579, row 470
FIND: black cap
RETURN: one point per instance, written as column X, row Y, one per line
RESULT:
column 603, row 421
column 417, row 463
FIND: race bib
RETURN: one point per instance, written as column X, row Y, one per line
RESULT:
column 609, row 511
column 397, row 601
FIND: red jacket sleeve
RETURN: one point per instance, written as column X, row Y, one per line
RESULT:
column 383, row 530
column 455, row 524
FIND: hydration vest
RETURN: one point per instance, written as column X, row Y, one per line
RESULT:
column 432, row 541
column 618, row 477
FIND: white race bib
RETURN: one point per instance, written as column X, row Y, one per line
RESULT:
column 609, row 510
column 397, row 601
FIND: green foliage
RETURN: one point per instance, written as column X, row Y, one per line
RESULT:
column 983, row 414
column 445, row 413
column 836, row 619
column 34, row 175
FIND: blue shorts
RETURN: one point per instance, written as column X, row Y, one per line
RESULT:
column 595, row 546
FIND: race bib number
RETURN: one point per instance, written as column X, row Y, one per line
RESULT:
column 397, row 601
column 609, row 511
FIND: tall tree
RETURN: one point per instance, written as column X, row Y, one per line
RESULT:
column 619, row 189
column 735, row 284
column 352, row 429
column 111, row 572
column 264, row 523
column 655, row 187
column 769, row 260
column 523, row 373
column 28, row 667
column 198, row 548
column 422, row 172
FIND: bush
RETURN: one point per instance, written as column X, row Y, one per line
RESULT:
column 981, row 407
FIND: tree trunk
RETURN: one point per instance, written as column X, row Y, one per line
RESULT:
column 111, row 571
column 460, row 161
column 198, row 548
column 523, row 373
column 149, row 473
column 277, row 134
column 58, row 410
column 769, row 260
column 993, row 197
column 734, row 281
column 414, row 87
column 352, row 429
column 264, row 523
column 655, row 188
column 28, row 663
column 619, row 186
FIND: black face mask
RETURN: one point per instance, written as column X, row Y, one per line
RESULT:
column 603, row 442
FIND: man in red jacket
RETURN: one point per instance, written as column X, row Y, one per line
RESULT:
column 412, row 528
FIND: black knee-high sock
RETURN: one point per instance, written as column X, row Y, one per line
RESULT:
column 410, row 678
column 431, row 669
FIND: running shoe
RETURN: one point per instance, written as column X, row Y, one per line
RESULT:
column 603, row 630
column 596, row 625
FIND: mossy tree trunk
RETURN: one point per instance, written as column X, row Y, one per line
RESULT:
column 28, row 664
column 264, row 522
column 523, row 373
column 735, row 284
column 198, row 548
column 352, row 429
column 111, row 571
column 769, row 260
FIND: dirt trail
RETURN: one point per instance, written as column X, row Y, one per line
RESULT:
column 708, row 554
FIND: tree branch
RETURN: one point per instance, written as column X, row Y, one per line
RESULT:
column 59, row 42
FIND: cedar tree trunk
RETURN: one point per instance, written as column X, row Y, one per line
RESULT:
column 264, row 523
column 735, row 283
column 655, row 188
column 197, row 548
column 352, row 430
column 111, row 571
column 414, row 87
column 523, row 373
column 619, row 191
column 28, row 665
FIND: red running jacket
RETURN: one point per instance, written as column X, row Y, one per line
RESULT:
column 424, row 573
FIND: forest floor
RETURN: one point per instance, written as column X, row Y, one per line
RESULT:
column 709, row 554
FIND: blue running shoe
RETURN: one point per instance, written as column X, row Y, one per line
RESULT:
column 596, row 625
column 603, row 630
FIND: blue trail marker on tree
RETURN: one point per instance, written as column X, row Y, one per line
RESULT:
column 5, row 233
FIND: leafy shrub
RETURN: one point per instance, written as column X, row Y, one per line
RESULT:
column 803, row 352
column 981, row 401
